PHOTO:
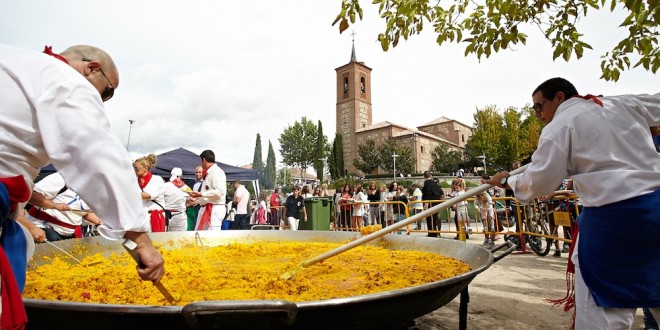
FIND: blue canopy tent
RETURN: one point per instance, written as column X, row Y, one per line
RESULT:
column 187, row 161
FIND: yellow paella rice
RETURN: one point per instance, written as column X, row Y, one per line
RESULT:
column 366, row 230
column 240, row 272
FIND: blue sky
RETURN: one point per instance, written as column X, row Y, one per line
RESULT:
column 212, row 74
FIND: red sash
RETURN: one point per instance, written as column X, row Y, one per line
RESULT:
column 77, row 230
column 205, row 220
column 13, row 312
column 157, row 221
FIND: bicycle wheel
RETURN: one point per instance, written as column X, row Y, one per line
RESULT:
column 540, row 245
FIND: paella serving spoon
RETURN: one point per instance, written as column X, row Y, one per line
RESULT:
column 403, row 223
column 130, row 248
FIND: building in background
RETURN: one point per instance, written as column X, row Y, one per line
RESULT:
column 354, row 122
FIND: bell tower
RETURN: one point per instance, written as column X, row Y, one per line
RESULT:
column 353, row 105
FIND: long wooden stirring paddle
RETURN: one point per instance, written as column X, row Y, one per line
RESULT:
column 419, row 216
column 130, row 248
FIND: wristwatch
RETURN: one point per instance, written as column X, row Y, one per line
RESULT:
column 504, row 181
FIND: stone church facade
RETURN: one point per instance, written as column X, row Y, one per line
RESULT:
column 354, row 122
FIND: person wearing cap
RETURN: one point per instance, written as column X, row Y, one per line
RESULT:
column 292, row 206
column 176, row 177
column 601, row 143
column 51, row 111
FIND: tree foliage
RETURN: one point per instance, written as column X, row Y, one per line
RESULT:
column 298, row 144
column 321, row 152
column 336, row 158
column 489, row 26
column 446, row 159
column 368, row 157
column 270, row 172
column 502, row 138
column 257, row 162
column 404, row 160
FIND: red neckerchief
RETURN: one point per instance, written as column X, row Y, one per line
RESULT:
column 48, row 50
column 144, row 181
column 178, row 182
column 593, row 98
column 204, row 172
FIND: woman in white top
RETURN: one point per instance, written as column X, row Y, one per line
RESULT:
column 359, row 208
column 151, row 186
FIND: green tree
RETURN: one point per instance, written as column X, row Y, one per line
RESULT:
column 257, row 162
column 488, row 26
column 510, row 142
column 404, row 160
column 283, row 177
column 369, row 157
column 321, row 152
column 446, row 159
column 336, row 159
column 270, row 172
column 298, row 144
column 486, row 137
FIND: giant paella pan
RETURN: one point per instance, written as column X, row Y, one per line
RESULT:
column 374, row 311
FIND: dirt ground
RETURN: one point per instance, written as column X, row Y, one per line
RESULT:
column 511, row 295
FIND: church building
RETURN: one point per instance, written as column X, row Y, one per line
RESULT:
column 354, row 122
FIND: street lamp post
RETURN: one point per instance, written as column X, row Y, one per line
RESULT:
column 415, row 150
column 483, row 159
column 394, row 156
column 130, row 126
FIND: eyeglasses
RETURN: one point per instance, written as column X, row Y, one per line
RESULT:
column 108, row 92
column 537, row 106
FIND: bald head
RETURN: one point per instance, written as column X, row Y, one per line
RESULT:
column 95, row 64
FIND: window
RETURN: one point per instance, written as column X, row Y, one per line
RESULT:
column 462, row 138
column 421, row 149
column 345, row 86
column 363, row 85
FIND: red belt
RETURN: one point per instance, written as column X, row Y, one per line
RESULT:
column 35, row 212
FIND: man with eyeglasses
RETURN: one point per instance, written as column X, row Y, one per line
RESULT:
column 603, row 144
column 51, row 111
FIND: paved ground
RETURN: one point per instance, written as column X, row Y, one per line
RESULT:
column 511, row 295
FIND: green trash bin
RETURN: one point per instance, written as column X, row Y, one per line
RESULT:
column 318, row 214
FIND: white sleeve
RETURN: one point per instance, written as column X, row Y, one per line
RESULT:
column 80, row 143
column 50, row 186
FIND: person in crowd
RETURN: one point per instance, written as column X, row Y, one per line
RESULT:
column 305, row 193
column 417, row 207
column 176, row 177
column 317, row 191
column 460, row 208
column 292, row 208
column 58, row 210
column 174, row 205
column 151, row 187
column 382, row 207
column 241, row 200
column 38, row 234
column 391, row 192
column 588, row 139
column 360, row 207
column 432, row 192
column 484, row 203
column 275, row 203
column 373, row 195
column 192, row 204
column 324, row 190
column 53, row 106
column 399, row 209
column 213, row 194
column 345, row 200
column 259, row 216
